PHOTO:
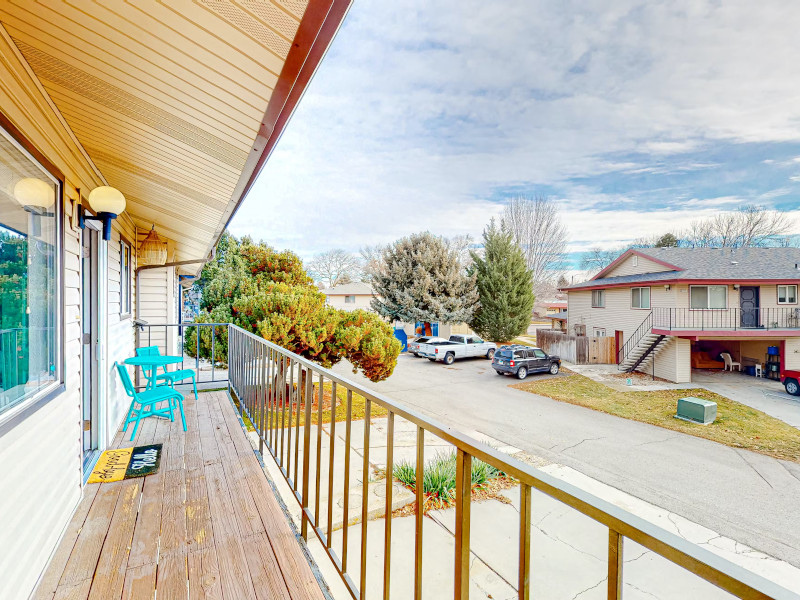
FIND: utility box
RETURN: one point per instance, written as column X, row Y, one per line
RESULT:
column 697, row 410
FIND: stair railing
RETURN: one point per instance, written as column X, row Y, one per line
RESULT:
column 644, row 328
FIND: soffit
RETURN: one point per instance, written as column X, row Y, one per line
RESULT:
column 167, row 97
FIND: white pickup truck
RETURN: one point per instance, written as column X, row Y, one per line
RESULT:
column 458, row 346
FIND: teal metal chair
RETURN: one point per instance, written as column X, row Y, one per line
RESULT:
column 168, row 377
column 147, row 402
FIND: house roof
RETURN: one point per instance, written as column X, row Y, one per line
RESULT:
column 562, row 316
column 357, row 288
column 706, row 264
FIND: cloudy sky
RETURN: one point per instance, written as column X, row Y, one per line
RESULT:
column 637, row 117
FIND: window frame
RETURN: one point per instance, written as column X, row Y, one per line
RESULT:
column 602, row 296
column 635, row 261
column 649, row 298
column 125, row 297
column 24, row 409
column 708, row 291
column 599, row 332
column 787, row 286
column 347, row 299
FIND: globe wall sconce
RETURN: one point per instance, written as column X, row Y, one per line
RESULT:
column 108, row 202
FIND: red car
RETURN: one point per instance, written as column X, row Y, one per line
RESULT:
column 791, row 381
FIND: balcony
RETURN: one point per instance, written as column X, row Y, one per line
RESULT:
column 754, row 322
column 209, row 524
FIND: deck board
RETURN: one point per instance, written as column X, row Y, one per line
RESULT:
column 205, row 526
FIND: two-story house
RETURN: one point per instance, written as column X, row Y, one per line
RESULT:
column 672, row 309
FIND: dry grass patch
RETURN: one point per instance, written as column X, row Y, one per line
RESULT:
column 737, row 425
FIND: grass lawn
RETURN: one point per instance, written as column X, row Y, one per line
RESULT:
column 737, row 425
column 358, row 408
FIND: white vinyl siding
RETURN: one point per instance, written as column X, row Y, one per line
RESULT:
column 708, row 296
column 598, row 298
column 787, row 294
column 124, row 278
column 634, row 265
column 640, row 297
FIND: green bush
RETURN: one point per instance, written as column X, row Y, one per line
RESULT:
column 439, row 475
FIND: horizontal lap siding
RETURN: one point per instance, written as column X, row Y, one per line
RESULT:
column 40, row 456
column 644, row 265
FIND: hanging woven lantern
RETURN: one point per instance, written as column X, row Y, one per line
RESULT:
column 152, row 251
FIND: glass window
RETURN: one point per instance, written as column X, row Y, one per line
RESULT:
column 787, row 294
column 29, row 276
column 124, row 278
column 708, row 296
column 349, row 299
column 598, row 298
column 640, row 297
column 539, row 354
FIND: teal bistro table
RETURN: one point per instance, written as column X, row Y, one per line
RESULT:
column 150, row 365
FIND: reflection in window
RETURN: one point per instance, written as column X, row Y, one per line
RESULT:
column 28, row 277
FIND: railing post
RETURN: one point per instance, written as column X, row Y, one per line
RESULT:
column 523, row 585
column 262, row 396
column 614, row 565
column 306, row 450
column 463, row 498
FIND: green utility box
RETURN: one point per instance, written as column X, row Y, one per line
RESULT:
column 697, row 410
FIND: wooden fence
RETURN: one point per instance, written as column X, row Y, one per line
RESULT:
column 578, row 349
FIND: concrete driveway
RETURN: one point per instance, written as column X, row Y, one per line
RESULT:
column 742, row 495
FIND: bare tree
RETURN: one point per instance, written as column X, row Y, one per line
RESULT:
column 535, row 224
column 371, row 259
column 750, row 226
column 596, row 259
column 334, row 267
column 460, row 245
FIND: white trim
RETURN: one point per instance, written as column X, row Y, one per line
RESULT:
column 708, row 286
column 778, row 293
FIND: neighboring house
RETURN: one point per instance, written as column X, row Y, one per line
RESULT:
column 558, row 320
column 682, row 307
column 350, row 296
column 550, row 307
column 178, row 108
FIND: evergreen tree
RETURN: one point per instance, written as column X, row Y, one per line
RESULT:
column 421, row 279
column 505, row 287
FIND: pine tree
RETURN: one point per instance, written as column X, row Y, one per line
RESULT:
column 505, row 287
column 421, row 279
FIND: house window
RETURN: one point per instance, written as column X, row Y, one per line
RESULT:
column 349, row 299
column 787, row 294
column 598, row 298
column 30, row 255
column 124, row 279
column 640, row 297
column 599, row 331
column 708, row 296
column 635, row 261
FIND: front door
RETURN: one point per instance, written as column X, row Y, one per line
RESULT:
column 89, row 368
column 748, row 303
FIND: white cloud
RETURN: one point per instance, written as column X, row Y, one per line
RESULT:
column 423, row 109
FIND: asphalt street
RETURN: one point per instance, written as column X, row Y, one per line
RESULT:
column 746, row 496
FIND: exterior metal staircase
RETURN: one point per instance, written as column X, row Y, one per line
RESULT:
column 641, row 348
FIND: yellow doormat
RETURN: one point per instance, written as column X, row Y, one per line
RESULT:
column 126, row 463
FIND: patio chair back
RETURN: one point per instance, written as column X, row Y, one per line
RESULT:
column 126, row 380
column 148, row 351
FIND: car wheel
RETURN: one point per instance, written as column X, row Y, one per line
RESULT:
column 499, row 372
column 554, row 369
column 490, row 354
column 792, row 387
column 449, row 358
column 522, row 373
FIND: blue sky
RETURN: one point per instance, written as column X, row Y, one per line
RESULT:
column 635, row 117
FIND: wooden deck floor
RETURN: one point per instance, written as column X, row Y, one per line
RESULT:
column 207, row 525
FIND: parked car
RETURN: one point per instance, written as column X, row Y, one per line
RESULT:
column 413, row 346
column 791, row 382
column 521, row 360
column 458, row 346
